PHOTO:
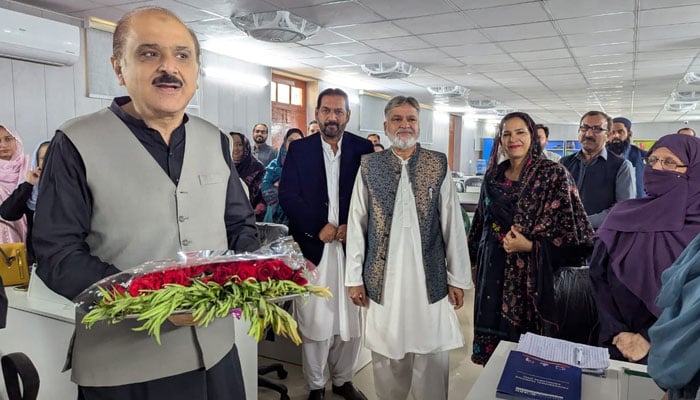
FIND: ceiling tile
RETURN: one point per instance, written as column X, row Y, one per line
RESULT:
column 324, row 62
column 372, row 30
column 668, row 44
column 477, row 49
column 185, row 12
column 524, row 31
column 485, row 59
column 597, row 23
column 620, row 48
column 342, row 49
column 532, row 44
column 434, row 24
column 546, row 64
column 454, row 38
column 508, row 15
column 674, row 31
column 476, row 4
column 485, row 68
column 397, row 44
column 408, row 8
column 652, row 4
column 325, row 36
column 541, row 55
column 669, row 16
column 597, row 38
column 554, row 71
column 572, row 9
column 65, row 6
column 369, row 58
column 425, row 56
column 680, row 54
column 337, row 14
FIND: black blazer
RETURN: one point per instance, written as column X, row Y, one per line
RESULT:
column 303, row 191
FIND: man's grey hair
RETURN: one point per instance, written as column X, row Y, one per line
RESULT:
column 399, row 101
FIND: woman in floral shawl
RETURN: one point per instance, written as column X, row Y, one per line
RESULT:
column 250, row 170
column 270, row 184
column 529, row 222
column 13, row 170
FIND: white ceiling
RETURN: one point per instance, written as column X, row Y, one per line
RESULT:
column 555, row 59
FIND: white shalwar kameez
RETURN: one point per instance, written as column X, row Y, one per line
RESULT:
column 406, row 328
column 330, row 328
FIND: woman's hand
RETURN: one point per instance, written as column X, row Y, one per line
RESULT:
column 33, row 176
column 633, row 346
column 515, row 242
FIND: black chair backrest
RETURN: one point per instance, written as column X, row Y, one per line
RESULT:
column 18, row 367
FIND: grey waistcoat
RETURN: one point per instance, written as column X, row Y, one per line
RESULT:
column 139, row 215
column 381, row 173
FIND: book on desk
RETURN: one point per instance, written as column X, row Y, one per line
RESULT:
column 529, row 377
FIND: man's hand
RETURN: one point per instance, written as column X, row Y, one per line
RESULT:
column 515, row 242
column 341, row 233
column 456, row 296
column 358, row 295
column 33, row 176
column 327, row 233
column 259, row 209
column 633, row 346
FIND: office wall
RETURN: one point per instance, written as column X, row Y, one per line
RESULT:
column 36, row 99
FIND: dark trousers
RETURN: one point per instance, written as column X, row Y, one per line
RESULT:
column 224, row 381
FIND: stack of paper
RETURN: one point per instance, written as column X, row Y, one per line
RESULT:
column 590, row 359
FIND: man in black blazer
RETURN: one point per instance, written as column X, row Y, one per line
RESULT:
column 314, row 192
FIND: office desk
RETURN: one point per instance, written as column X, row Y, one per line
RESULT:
column 615, row 386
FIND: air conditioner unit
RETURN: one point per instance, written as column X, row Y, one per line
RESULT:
column 680, row 107
column 29, row 38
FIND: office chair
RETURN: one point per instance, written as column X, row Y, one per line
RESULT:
column 16, row 368
column 267, row 233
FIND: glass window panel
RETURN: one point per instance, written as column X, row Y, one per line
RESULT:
column 297, row 96
column 273, row 91
column 282, row 93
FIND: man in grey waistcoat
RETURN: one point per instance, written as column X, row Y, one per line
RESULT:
column 407, row 260
column 122, row 186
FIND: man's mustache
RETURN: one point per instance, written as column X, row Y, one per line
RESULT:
column 167, row 79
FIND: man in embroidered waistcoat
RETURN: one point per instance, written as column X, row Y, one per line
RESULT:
column 122, row 186
column 315, row 191
column 407, row 260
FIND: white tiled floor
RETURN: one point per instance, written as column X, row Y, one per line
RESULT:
column 463, row 372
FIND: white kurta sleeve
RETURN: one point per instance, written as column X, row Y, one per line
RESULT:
column 357, row 229
column 455, row 237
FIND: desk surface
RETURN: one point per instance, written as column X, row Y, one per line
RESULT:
column 614, row 386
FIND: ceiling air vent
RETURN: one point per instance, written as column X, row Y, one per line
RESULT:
column 686, row 96
column 692, row 78
column 275, row 26
column 482, row 104
column 448, row 90
column 680, row 107
column 395, row 70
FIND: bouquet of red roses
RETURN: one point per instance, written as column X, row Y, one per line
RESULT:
column 205, row 285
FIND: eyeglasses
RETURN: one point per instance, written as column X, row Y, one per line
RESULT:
column 666, row 164
column 594, row 129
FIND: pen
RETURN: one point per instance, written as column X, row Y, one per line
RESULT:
column 430, row 192
column 578, row 353
column 628, row 371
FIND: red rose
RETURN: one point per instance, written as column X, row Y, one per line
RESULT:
column 299, row 279
column 152, row 281
column 246, row 271
column 221, row 276
column 281, row 271
column 265, row 271
column 176, row 276
column 119, row 289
